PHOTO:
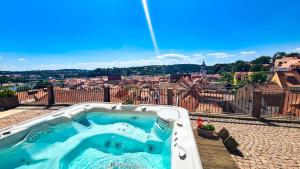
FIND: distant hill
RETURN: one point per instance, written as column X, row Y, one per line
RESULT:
column 147, row 70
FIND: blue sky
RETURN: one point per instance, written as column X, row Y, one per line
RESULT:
column 56, row 34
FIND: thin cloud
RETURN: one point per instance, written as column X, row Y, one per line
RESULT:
column 166, row 59
column 173, row 56
column 297, row 50
column 220, row 55
column 21, row 59
column 248, row 52
column 198, row 55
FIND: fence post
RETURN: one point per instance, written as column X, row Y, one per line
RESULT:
column 283, row 103
column 51, row 98
column 170, row 96
column 106, row 94
column 257, row 103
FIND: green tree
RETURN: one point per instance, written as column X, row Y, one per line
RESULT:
column 4, row 79
column 241, row 84
column 22, row 88
column 227, row 77
column 241, row 66
column 258, row 68
column 278, row 55
column 293, row 55
column 41, row 84
column 258, row 77
column 262, row 60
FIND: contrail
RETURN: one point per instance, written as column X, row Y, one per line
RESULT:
column 146, row 10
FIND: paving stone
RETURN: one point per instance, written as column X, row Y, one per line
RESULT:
column 263, row 145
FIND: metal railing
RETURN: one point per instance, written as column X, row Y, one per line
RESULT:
column 138, row 96
column 32, row 96
column 204, row 101
column 64, row 95
column 280, row 104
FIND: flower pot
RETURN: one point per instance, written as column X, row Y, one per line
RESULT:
column 206, row 134
column 223, row 134
column 9, row 102
column 231, row 144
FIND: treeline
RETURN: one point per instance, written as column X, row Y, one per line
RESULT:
column 147, row 70
column 259, row 64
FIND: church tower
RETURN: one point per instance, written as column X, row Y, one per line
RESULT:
column 203, row 69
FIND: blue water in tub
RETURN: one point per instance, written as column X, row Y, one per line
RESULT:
column 99, row 140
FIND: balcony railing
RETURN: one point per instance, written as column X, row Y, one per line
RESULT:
column 255, row 103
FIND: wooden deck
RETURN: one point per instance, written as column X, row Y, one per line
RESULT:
column 213, row 154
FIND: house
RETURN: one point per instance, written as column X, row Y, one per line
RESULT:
column 216, row 86
column 285, row 64
column 287, row 80
column 241, row 76
column 295, row 66
column 174, row 78
column 115, row 77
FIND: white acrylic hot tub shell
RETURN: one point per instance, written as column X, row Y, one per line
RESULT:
column 183, row 146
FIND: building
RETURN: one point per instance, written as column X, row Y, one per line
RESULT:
column 174, row 78
column 115, row 77
column 203, row 70
column 287, row 80
column 241, row 76
column 285, row 63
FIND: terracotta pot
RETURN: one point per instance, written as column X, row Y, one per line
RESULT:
column 9, row 102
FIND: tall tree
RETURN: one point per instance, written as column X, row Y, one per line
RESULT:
column 258, row 77
column 227, row 77
column 278, row 55
column 262, row 60
column 241, row 66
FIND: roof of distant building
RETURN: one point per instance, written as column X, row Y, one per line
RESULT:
column 288, row 82
column 115, row 77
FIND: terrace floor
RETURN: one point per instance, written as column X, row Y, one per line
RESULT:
column 263, row 145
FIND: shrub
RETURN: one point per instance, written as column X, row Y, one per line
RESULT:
column 208, row 127
column 7, row 93
column 205, row 125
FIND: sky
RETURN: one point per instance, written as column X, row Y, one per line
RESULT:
column 87, row 34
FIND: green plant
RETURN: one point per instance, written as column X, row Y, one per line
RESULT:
column 7, row 93
column 227, row 77
column 205, row 125
column 258, row 77
column 208, row 127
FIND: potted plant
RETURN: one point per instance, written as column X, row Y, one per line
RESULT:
column 8, row 99
column 205, row 128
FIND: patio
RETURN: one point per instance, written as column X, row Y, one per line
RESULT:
column 264, row 145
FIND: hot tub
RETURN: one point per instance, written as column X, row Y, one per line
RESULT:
column 102, row 135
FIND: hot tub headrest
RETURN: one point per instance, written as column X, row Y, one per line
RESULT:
column 77, row 114
column 168, row 114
